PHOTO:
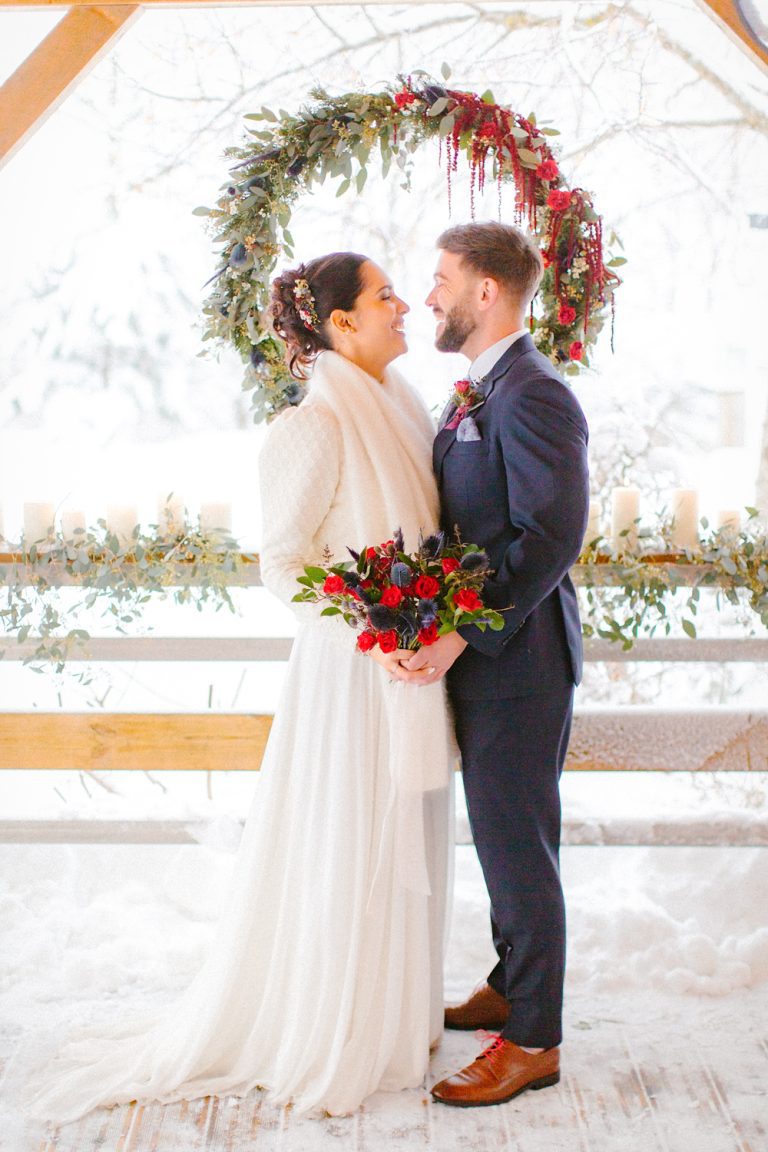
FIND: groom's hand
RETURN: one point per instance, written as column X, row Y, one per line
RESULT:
column 432, row 662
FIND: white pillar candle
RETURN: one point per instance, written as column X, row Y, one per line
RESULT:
column 685, row 518
column 121, row 519
column 215, row 516
column 170, row 514
column 729, row 518
column 625, row 510
column 70, row 522
column 38, row 522
column 593, row 523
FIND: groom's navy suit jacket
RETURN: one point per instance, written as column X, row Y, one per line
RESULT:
column 521, row 492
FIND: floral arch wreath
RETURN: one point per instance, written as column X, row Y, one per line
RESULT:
column 335, row 137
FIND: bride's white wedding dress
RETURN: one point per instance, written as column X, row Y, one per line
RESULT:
column 324, row 981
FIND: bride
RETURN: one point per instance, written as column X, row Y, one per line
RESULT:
column 324, row 980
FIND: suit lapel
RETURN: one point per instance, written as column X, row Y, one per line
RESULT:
column 447, row 436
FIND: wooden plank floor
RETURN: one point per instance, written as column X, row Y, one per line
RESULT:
column 642, row 1073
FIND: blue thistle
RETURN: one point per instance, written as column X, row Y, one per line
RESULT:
column 474, row 561
column 401, row 574
column 426, row 610
column 408, row 625
column 397, row 538
column 293, row 392
column 433, row 545
column 295, row 166
column 382, row 618
column 239, row 256
column 257, row 357
column 431, row 93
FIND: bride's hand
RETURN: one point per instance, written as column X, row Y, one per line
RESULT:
column 391, row 662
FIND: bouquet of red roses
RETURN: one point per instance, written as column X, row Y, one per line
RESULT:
column 402, row 600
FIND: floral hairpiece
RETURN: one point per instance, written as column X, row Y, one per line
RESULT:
column 305, row 305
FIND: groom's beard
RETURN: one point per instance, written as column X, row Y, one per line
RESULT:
column 457, row 329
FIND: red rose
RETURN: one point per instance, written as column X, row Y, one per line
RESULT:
column 449, row 564
column 566, row 315
column 467, row 600
column 463, row 386
column 391, row 596
column 576, row 350
column 404, row 98
column 366, row 584
column 426, row 587
column 558, row 199
column 547, row 170
column 370, row 553
column 428, row 635
column 387, row 641
column 366, row 641
column 333, row 584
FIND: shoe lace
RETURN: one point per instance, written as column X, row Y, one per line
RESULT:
column 497, row 1042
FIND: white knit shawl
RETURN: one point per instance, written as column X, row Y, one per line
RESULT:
column 387, row 436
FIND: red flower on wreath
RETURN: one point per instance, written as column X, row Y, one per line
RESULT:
column 387, row 641
column 391, row 596
column 426, row 587
column 566, row 315
column 558, row 199
column 366, row 641
column 576, row 350
column 449, row 564
column 333, row 584
column 428, row 635
column 404, row 98
column 468, row 600
column 548, row 170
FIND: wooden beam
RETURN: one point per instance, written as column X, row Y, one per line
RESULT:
column 56, row 66
column 150, row 742
column 732, row 18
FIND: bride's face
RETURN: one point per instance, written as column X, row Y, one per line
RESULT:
column 371, row 335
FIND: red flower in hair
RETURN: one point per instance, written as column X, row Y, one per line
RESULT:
column 566, row 315
column 388, row 641
column 548, row 170
column 366, row 641
column 558, row 199
column 576, row 350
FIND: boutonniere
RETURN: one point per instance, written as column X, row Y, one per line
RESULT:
column 464, row 397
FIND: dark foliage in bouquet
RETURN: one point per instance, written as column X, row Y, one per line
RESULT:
column 402, row 600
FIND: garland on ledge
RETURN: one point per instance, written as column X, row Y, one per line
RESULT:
column 627, row 594
column 190, row 566
column 633, row 591
column 335, row 137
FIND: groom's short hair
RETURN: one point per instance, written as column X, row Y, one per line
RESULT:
column 500, row 251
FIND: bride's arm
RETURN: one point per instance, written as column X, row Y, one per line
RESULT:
column 299, row 468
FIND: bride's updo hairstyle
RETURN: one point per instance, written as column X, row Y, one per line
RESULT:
column 303, row 299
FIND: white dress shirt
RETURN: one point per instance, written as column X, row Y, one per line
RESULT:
column 482, row 364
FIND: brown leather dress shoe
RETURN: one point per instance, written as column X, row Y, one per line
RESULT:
column 500, row 1072
column 484, row 1009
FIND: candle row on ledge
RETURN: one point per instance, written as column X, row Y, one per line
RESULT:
column 683, row 511
column 41, row 520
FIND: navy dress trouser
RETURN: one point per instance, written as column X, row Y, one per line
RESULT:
column 513, row 752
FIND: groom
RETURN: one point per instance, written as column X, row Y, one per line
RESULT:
column 512, row 472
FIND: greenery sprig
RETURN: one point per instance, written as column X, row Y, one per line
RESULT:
column 633, row 591
column 336, row 137
column 192, row 566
